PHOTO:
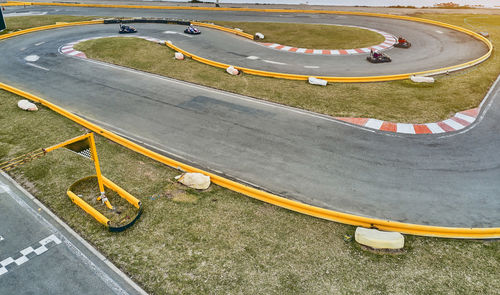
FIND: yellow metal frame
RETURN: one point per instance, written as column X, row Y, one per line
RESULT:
column 98, row 215
column 95, row 159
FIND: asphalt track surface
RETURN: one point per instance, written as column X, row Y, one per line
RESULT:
column 39, row 256
column 443, row 180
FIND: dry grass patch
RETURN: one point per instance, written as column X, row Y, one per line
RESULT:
column 309, row 35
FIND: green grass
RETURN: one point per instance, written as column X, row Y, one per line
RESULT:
column 398, row 101
column 16, row 23
column 220, row 242
column 309, row 35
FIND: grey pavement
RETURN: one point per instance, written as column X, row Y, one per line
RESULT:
column 38, row 255
column 443, row 180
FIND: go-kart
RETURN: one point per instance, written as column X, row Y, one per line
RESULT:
column 378, row 58
column 192, row 30
column 127, row 29
column 402, row 43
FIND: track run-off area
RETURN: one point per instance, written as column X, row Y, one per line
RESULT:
column 441, row 185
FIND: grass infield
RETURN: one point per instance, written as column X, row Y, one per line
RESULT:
column 310, row 36
column 398, row 101
column 217, row 241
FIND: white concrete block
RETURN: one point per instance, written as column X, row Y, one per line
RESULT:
column 379, row 239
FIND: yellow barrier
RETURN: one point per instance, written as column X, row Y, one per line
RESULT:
column 415, row 229
column 60, row 25
column 87, row 208
column 123, row 193
column 221, row 28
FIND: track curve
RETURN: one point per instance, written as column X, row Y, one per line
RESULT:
column 445, row 181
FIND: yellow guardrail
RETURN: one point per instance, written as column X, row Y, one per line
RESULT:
column 221, row 28
column 48, row 27
column 406, row 228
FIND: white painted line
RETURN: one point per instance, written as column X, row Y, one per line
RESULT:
column 41, row 250
column 351, row 51
column 453, row 124
column 465, row 117
column 405, row 128
column 374, row 123
column 1, row 238
column 37, row 66
column 51, row 238
column 301, row 50
column 74, row 53
column 21, row 260
column 439, row 32
column 3, row 270
column 39, row 43
column 6, row 261
column 317, row 51
column 334, row 52
column 274, row 45
column 378, row 47
column 311, row 67
column 32, row 58
column 252, row 57
column 286, row 48
column 27, row 251
column 273, row 62
column 434, row 128
column 365, row 49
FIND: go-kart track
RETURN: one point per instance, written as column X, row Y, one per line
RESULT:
column 449, row 180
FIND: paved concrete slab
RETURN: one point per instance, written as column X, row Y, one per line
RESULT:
column 38, row 255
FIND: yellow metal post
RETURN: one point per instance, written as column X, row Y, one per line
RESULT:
column 93, row 152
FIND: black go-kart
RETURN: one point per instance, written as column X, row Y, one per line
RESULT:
column 192, row 31
column 127, row 29
column 378, row 58
column 402, row 43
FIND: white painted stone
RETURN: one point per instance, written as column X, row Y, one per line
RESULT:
column 194, row 180
column 179, row 56
column 27, row 105
column 316, row 81
column 421, row 79
column 379, row 239
column 232, row 70
column 259, row 36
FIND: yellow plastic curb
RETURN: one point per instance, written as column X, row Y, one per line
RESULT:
column 221, row 28
column 414, row 229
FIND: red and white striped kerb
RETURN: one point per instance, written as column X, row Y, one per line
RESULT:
column 389, row 41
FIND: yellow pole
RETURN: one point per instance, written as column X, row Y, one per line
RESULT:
column 93, row 151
